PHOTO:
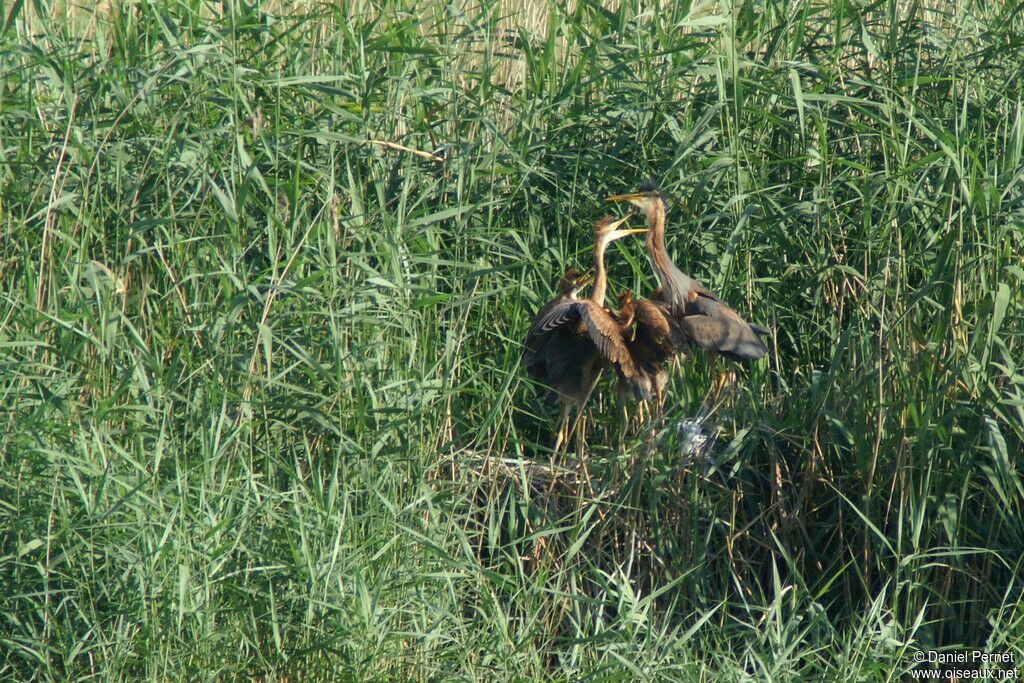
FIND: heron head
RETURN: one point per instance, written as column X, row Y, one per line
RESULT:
column 627, row 310
column 573, row 281
column 607, row 229
column 644, row 198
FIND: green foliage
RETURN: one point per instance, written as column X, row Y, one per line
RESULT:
column 261, row 410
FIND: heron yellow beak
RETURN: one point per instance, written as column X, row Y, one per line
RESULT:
column 625, row 197
column 618, row 233
column 581, row 282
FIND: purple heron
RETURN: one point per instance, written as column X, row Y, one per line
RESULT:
column 705, row 320
column 572, row 340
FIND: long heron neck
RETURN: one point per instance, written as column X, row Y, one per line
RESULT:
column 600, row 277
column 673, row 282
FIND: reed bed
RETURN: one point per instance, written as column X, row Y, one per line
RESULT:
column 264, row 275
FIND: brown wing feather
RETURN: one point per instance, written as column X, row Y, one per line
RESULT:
column 552, row 316
column 559, row 354
column 653, row 320
column 535, row 327
column 658, row 338
column 659, row 328
column 604, row 331
column 567, row 337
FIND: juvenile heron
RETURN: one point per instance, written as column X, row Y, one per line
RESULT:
column 654, row 339
column 705, row 320
column 572, row 340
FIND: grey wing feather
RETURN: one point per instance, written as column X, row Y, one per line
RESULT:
column 734, row 339
column 761, row 331
column 555, row 353
column 559, row 314
column 712, row 324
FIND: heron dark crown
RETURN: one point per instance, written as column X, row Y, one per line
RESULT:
column 650, row 187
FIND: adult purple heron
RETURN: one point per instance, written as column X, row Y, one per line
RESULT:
column 705, row 320
column 572, row 340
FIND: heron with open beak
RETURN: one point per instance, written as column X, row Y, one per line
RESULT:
column 573, row 340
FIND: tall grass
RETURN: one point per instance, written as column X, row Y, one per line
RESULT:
column 262, row 413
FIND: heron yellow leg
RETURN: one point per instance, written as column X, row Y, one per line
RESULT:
column 716, row 385
column 729, row 386
column 563, row 430
column 717, row 380
column 582, row 406
column 723, row 379
column 581, row 439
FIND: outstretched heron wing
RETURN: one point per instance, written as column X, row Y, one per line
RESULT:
column 604, row 331
column 551, row 317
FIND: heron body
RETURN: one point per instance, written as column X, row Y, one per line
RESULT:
column 573, row 340
column 654, row 339
column 705, row 320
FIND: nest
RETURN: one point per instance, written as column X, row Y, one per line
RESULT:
column 531, row 474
